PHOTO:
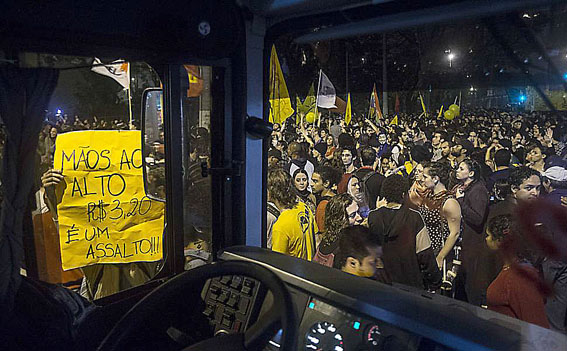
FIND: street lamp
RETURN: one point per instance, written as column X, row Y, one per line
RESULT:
column 451, row 56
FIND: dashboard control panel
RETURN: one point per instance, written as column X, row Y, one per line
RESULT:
column 326, row 327
column 232, row 302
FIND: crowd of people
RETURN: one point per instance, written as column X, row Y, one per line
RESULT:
column 471, row 207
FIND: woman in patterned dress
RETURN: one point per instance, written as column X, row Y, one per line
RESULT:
column 440, row 211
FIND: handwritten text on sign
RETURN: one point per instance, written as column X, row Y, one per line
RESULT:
column 104, row 213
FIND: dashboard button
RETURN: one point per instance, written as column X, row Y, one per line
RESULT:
column 224, row 296
column 236, row 281
column 233, row 301
column 243, row 306
column 246, row 290
column 225, row 279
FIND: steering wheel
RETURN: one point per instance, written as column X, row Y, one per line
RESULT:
column 281, row 314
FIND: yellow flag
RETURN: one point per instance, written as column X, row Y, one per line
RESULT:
column 310, row 105
column 440, row 112
column 348, row 113
column 394, row 121
column 423, row 105
column 280, row 103
column 298, row 109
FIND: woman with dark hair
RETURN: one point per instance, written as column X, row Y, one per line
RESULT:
column 341, row 212
column 516, row 291
column 441, row 212
column 331, row 147
column 300, row 181
column 474, row 200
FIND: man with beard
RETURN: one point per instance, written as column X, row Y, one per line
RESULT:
column 436, row 141
column 322, row 183
column 446, row 156
column 462, row 149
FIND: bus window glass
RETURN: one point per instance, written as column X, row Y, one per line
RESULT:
column 196, row 113
column 80, row 224
column 439, row 127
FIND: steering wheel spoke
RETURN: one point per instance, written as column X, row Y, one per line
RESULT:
column 281, row 315
column 263, row 330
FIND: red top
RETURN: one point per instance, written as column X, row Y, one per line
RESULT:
column 320, row 215
column 515, row 293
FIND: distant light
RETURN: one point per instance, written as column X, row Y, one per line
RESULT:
column 526, row 15
column 472, row 88
column 522, row 98
column 565, row 76
column 59, row 111
column 356, row 325
column 451, row 56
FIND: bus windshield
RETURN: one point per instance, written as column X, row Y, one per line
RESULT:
column 408, row 156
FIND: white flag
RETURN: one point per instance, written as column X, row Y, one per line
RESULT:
column 117, row 70
column 326, row 94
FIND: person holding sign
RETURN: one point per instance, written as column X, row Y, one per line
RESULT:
column 107, row 226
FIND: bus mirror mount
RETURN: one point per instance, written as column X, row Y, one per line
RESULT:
column 258, row 128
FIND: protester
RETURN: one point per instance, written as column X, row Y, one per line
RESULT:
column 455, row 168
column 407, row 253
column 441, row 212
column 341, row 212
column 358, row 252
column 473, row 199
column 515, row 291
column 294, row 231
column 324, row 180
column 300, row 180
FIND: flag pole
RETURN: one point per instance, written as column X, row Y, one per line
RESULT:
column 129, row 98
column 317, row 100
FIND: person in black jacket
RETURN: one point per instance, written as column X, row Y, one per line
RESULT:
column 407, row 253
column 474, row 199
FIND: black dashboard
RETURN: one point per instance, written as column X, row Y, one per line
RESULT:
column 326, row 327
column 341, row 312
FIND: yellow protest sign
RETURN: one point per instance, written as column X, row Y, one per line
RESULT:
column 104, row 213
